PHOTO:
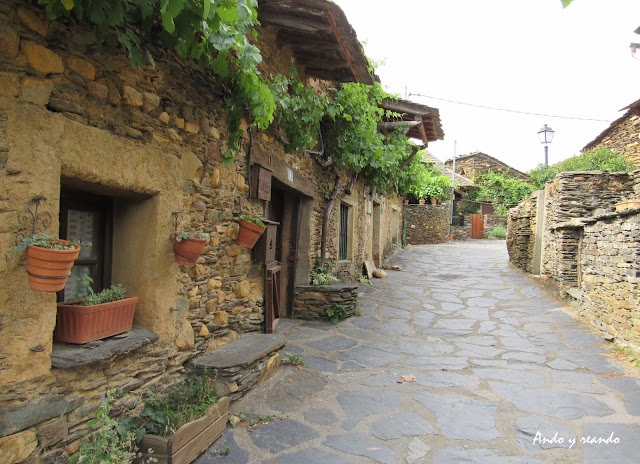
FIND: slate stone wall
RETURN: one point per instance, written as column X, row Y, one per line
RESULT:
column 521, row 228
column 312, row 301
column 610, row 274
column 427, row 224
column 590, row 250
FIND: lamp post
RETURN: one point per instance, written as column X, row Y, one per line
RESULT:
column 546, row 136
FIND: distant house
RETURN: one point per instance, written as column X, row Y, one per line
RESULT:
column 622, row 136
column 478, row 163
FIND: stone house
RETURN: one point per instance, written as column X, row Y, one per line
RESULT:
column 622, row 136
column 129, row 156
column 478, row 163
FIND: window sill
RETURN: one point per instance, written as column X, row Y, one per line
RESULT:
column 66, row 355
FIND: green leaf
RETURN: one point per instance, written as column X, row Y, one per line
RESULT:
column 228, row 14
column 68, row 4
column 207, row 7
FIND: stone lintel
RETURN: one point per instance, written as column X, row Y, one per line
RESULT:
column 241, row 352
column 66, row 355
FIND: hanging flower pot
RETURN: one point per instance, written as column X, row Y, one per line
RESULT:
column 188, row 246
column 250, row 231
column 421, row 201
column 49, row 260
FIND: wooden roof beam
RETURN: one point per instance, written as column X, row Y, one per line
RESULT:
column 336, row 32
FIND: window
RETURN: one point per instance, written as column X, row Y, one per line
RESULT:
column 88, row 218
column 343, row 243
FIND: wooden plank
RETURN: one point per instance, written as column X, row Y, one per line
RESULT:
column 159, row 445
column 279, row 171
column 200, row 442
column 345, row 52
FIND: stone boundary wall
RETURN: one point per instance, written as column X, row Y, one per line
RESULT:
column 610, row 274
column 521, row 229
column 590, row 250
column 311, row 301
column 427, row 224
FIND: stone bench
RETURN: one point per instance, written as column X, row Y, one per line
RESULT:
column 243, row 363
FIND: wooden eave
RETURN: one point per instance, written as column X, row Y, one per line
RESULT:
column 320, row 36
column 429, row 128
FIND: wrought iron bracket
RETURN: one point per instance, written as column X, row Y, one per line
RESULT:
column 40, row 220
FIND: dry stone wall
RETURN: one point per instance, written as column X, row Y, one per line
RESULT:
column 427, row 224
column 312, row 301
column 521, row 228
column 590, row 250
column 610, row 273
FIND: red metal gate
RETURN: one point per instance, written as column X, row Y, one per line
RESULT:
column 477, row 226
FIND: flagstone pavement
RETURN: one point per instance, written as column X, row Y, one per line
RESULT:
column 503, row 374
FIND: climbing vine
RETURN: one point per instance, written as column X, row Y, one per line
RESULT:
column 215, row 33
column 502, row 190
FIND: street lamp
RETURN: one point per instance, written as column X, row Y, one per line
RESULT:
column 546, row 136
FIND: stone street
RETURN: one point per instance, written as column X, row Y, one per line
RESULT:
column 456, row 358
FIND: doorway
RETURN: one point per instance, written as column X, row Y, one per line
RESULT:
column 284, row 208
column 376, row 234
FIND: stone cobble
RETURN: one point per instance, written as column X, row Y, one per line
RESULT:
column 457, row 358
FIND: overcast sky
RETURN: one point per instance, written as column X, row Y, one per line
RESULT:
column 523, row 55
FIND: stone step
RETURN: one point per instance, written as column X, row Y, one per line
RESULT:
column 243, row 363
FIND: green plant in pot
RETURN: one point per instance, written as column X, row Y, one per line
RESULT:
column 49, row 260
column 251, row 228
column 95, row 315
column 180, row 423
column 188, row 246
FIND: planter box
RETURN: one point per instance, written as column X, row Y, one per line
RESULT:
column 190, row 440
column 82, row 324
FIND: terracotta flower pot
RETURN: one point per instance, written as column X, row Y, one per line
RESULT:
column 188, row 250
column 82, row 324
column 249, row 233
column 421, row 201
column 48, row 269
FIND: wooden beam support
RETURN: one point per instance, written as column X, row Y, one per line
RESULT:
column 336, row 32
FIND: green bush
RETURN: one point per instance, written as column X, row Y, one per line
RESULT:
column 337, row 312
column 601, row 159
column 321, row 274
column 498, row 232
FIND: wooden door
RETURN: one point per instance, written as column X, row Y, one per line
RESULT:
column 272, row 296
column 477, row 226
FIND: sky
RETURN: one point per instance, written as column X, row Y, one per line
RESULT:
column 522, row 55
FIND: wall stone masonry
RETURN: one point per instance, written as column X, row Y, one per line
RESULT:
column 610, row 274
column 312, row 301
column 521, row 227
column 427, row 224
column 623, row 136
column 476, row 164
column 590, row 251
column 151, row 140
